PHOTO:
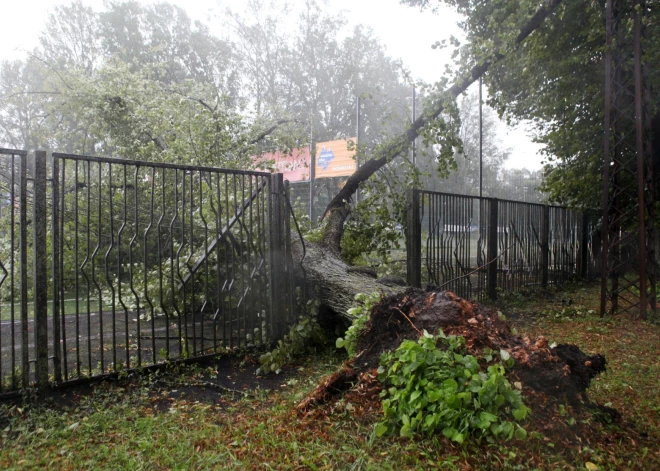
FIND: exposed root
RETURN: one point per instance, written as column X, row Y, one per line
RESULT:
column 564, row 371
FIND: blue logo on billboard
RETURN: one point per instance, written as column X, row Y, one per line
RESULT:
column 325, row 158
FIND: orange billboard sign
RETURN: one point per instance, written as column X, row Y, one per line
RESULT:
column 333, row 159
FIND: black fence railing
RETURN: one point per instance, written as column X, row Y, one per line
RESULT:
column 133, row 264
column 15, row 324
column 477, row 246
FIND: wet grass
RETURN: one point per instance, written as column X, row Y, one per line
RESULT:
column 164, row 421
column 69, row 308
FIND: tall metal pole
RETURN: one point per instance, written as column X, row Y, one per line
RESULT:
column 357, row 143
column 481, row 146
column 312, row 171
column 414, row 116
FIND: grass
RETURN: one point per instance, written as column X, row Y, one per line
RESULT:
column 143, row 424
column 69, row 308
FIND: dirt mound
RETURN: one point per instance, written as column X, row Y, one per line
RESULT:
column 563, row 371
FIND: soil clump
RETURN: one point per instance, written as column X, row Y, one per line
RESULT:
column 561, row 371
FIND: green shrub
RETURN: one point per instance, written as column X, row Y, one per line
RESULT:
column 360, row 315
column 432, row 385
column 301, row 338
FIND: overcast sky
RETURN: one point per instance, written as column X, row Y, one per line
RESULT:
column 406, row 32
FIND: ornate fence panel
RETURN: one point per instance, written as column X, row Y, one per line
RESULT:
column 156, row 262
column 16, row 322
column 126, row 264
column 520, row 230
column 564, row 236
column 476, row 247
column 453, row 236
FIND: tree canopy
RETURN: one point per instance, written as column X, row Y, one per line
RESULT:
column 554, row 79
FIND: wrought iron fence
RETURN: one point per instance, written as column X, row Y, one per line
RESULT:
column 15, row 322
column 151, row 262
column 477, row 246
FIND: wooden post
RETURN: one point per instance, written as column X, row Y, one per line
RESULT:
column 545, row 246
column 312, row 178
column 491, row 249
column 414, row 240
column 40, row 264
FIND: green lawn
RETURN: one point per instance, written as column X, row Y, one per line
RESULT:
column 69, row 308
column 146, row 422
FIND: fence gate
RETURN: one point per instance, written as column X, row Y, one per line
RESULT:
column 133, row 264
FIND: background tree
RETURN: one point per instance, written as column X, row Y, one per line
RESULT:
column 555, row 80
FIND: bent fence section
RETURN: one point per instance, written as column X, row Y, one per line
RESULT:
column 478, row 246
column 133, row 264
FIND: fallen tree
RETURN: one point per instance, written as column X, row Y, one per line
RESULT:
column 334, row 281
column 562, row 371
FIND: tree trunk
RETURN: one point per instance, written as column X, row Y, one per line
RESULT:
column 326, row 274
column 334, row 282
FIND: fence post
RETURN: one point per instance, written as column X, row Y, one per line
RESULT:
column 276, row 255
column 491, row 249
column 40, row 276
column 583, row 235
column 288, row 257
column 545, row 246
column 57, row 358
column 414, row 240
column 25, row 342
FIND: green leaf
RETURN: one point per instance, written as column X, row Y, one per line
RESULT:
column 381, row 429
column 519, row 414
column 450, row 384
column 521, row 433
column 486, row 416
column 449, row 432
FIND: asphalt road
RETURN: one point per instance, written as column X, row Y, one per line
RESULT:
column 103, row 343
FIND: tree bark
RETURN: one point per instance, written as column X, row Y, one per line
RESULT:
column 334, row 282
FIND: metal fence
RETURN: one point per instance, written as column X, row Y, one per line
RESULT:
column 134, row 264
column 477, row 246
column 14, row 319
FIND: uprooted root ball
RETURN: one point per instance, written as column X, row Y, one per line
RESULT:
column 563, row 371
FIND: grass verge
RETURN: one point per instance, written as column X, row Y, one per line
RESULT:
column 175, row 420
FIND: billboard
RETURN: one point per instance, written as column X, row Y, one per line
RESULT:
column 333, row 159
column 295, row 166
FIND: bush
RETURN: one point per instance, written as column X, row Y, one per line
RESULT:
column 432, row 385
column 360, row 314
